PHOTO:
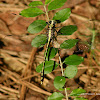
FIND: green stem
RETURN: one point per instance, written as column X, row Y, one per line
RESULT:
column 93, row 40
column 92, row 45
column 46, row 12
column 61, row 65
column 66, row 94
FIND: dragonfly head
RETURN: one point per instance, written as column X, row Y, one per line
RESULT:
column 51, row 23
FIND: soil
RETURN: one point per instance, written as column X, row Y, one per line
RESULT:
column 18, row 59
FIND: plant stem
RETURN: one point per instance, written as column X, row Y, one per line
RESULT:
column 93, row 39
column 46, row 12
column 66, row 94
column 61, row 65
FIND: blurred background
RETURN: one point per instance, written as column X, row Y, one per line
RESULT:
column 18, row 59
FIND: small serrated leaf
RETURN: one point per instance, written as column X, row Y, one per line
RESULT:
column 59, row 82
column 73, row 60
column 39, row 41
column 35, row 3
column 31, row 12
column 56, row 96
column 49, row 67
column 77, row 92
column 62, row 15
column 70, row 71
column 56, row 4
column 36, row 26
column 68, row 44
column 67, row 30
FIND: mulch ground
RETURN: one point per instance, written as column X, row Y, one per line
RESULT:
column 18, row 59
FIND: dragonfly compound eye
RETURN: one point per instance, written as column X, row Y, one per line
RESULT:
column 50, row 22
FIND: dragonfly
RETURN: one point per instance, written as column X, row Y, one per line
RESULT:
column 51, row 36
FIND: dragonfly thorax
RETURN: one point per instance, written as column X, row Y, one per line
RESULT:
column 51, row 29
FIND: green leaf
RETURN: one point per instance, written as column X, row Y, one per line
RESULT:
column 39, row 41
column 67, row 30
column 59, row 82
column 70, row 71
column 49, row 67
column 51, row 53
column 62, row 15
column 31, row 12
column 77, row 92
column 80, row 98
column 68, row 88
column 56, row 96
column 73, row 60
column 68, row 44
column 35, row 3
column 56, row 4
column 47, row 1
column 36, row 26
